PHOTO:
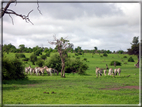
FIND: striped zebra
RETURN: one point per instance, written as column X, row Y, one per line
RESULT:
column 98, row 72
column 27, row 69
column 110, row 71
column 48, row 70
column 119, row 71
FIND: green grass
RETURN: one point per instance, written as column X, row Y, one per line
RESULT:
column 76, row 89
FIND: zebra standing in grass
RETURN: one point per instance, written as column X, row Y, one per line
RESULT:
column 110, row 71
column 37, row 70
column 55, row 71
column 98, row 72
column 119, row 71
column 48, row 70
column 105, row 72
column 31, row 70
column 41, row 70
column 115, row 71
column 27, row 69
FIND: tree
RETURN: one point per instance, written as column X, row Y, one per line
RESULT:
column 6, row 10
column 43, row 57
column 95, row 48
column 33, row 58
column 38, row 52
column 62, row 46
column 78, row 49
column 22, row 47
column 134, row 50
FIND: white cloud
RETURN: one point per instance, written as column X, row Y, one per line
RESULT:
column 104, row 25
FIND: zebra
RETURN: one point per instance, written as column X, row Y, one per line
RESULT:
column 119, row 71
column 55, row 71
column 110, row 71
column 27, row 69
column 48, row 70
column 115, row 71
column 41, row 70
column 98, row 71
column 105, row 72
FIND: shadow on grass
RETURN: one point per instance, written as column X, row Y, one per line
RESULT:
column 16, row 84
column 23, row 82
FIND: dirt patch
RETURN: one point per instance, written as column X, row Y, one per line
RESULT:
column 117, row 88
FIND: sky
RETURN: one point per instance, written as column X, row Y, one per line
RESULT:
column 108, row 26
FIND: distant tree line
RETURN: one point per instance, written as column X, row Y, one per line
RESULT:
column 38, row 50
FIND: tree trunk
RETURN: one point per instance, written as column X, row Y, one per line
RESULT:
column 137, row 65
column 63, row 69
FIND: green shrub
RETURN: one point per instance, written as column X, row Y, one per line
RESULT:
column 48, row 54
column 76, row 54
column 75, row 66
column 33, row 58
column 20, row 55
column 79, row 53
column 117, row 63
column 40, row 62
column 77, row 57
column 71, row 65
column 25, row 59
column 131, row 59
column 85, row 59
column 105, row 54
column 38, row 52
column 125, row 57
column 101, row 56
column 54, row 62
column 12, row 69
column 43, row 57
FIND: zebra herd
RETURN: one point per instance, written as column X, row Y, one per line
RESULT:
column 99, row 71
column 40, row 70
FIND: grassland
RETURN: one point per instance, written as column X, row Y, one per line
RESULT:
column 77, row 89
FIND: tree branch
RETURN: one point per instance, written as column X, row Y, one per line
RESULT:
column 5, row 10
column 38, row 8
column 6, row 7
column 26, row 18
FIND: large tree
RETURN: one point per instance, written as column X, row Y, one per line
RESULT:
column 134, row 50
column 62, row 45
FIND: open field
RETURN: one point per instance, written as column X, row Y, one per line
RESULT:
column 77, row 89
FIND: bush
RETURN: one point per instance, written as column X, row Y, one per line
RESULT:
column 33, row 58
column 77, row 57
column 25, row 59
column 85, row 59
column 12, row 69
column 43, row 57
column 71, row 65
column 75, row 66
column 125, row 57
column 76, row 54
column 48, row 54
column 131, row 59
column 54, row 62
column 20, row 55
column 105, row 54
column 117, row 63
column 38, row 52
column 79, row 53
column 40, row 63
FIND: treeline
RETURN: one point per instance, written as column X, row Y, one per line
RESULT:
column 22, row 49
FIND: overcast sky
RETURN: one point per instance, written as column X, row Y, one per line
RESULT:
column 109, row 26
